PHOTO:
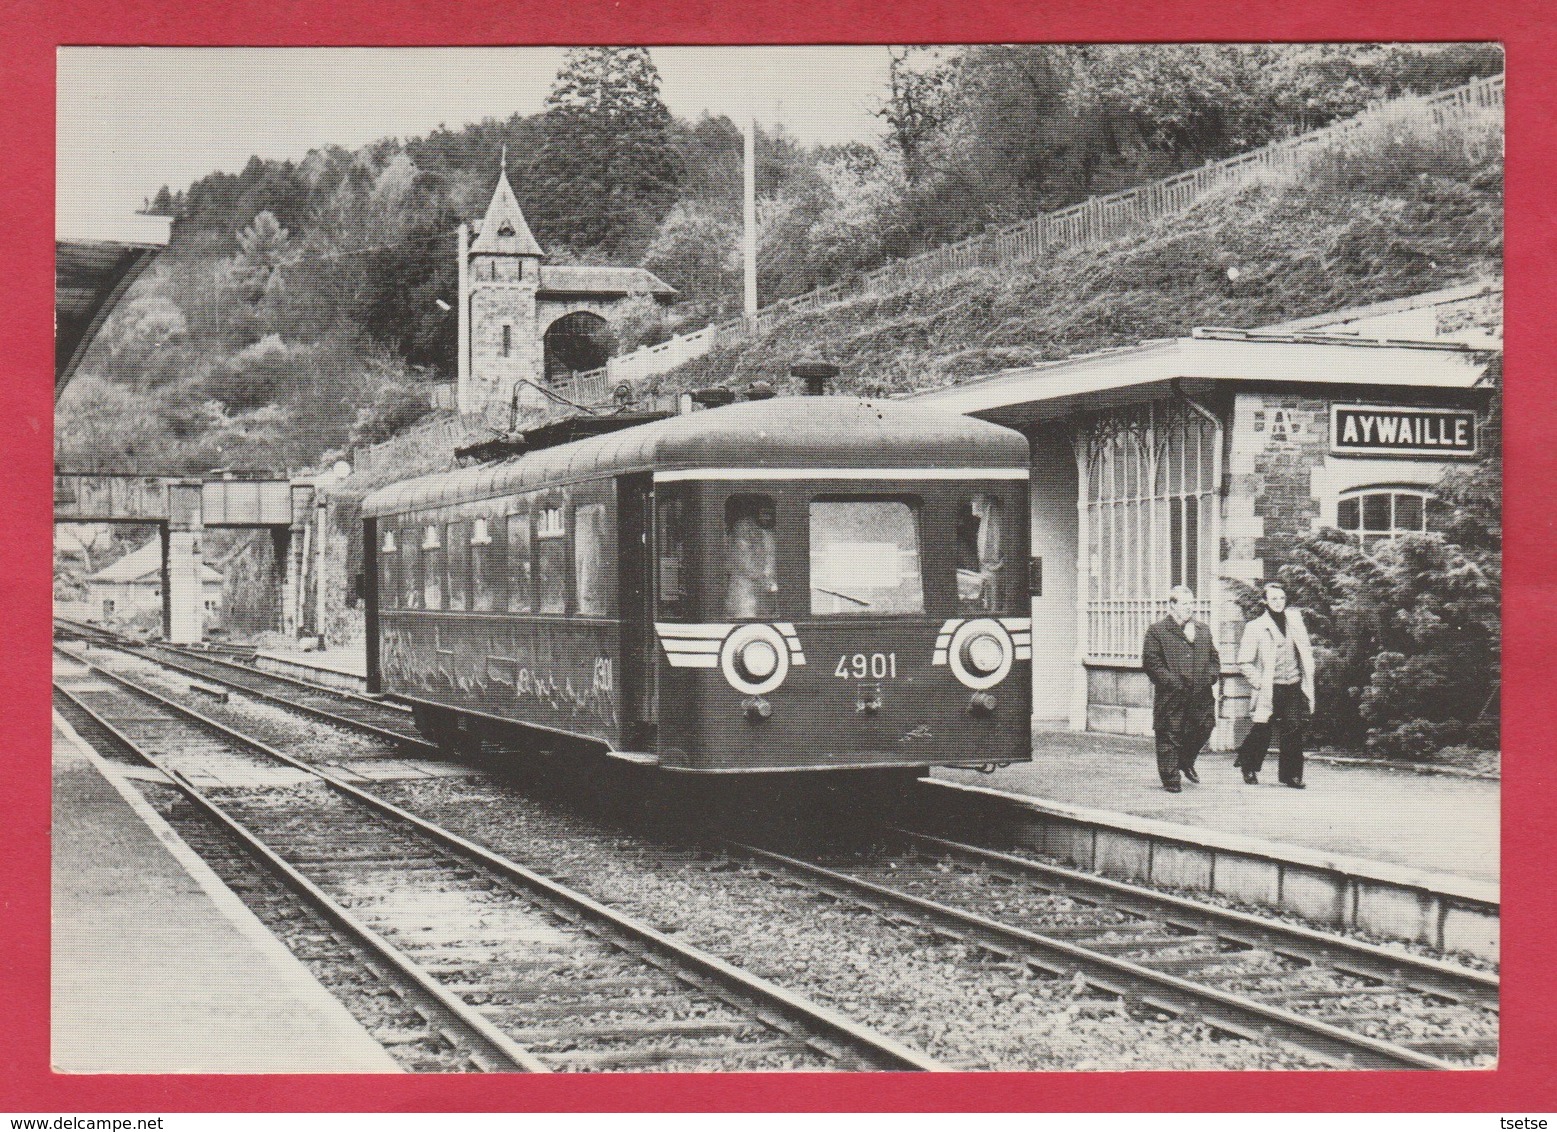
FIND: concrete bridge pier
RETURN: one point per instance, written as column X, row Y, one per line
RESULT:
column 183, row 600
column 293, row 590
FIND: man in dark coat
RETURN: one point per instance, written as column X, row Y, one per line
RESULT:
column 1184, row 667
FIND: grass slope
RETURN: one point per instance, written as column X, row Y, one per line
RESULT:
column 1395, row 218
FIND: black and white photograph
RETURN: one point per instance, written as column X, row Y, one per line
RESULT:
column 777, row 559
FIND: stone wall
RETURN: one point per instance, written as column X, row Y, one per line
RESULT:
column 1278, row 441
column 495, row 306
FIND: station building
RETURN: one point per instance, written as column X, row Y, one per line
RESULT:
column 1201, row 459
column 132, row 587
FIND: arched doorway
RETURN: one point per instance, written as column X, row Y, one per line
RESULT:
column 577, row 343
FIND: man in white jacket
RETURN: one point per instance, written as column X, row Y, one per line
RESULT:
column 1278, row 661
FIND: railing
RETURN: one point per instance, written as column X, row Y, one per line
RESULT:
column 1080, row 224
column 424, row 448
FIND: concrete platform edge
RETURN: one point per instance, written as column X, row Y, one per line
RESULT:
column 1447, row 912
column 239, row 915
column 318, row 671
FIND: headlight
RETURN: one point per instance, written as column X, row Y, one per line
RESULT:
column 754, row 659
column 759, row 659
column 983, row 654
column 980, row 653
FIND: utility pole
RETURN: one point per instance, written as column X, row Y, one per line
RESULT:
column 750, row 213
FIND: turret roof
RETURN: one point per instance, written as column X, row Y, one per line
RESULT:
column 503, row 230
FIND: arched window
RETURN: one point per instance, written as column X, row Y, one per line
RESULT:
column 1150, row 490
column 1375, row 514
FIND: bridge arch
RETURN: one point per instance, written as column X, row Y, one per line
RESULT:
column 576, row 343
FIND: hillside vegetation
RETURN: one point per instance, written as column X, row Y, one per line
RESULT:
column 304, row 306
column 1393, row 216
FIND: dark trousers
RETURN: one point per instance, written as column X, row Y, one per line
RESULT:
column 1179, row 743
column 1289, row 711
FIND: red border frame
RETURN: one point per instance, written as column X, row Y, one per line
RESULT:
column 36, row 27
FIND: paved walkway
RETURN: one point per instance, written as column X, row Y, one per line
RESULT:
column 157, row 966
column 1425, row 822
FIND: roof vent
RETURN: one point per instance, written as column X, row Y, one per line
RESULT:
column 713, row 396
column 816, row 375
column 759, row 391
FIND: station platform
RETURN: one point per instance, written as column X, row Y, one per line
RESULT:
column 157, row 966
column 344, row 667
column 1445, row 825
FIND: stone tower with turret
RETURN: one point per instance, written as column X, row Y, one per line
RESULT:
column 523, row 324
column 500, row 275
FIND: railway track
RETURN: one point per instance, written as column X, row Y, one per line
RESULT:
column 344, row 709
column 532, row 976
column 363, row 714
column 1350, row 1003
column 1353, row 1004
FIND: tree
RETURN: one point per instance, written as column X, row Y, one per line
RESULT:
column 606, row 169
column 104, row 427
column 1473, row 495
column 919, row 85
column 264, row 251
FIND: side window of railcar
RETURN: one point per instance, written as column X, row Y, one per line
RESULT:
column 519, row 566
column 388, row 582
column 751, row 557
column 551, row 552
column 411, row 567
column 432, row 567
column 458, row 558
column 865, row 557
column 590, row 552
column 672, row 528
column 483, row 560
column 981, row 561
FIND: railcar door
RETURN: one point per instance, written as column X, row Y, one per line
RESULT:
column 640, row 702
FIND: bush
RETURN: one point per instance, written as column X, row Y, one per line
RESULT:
column 396, row 406
column 1407, row 641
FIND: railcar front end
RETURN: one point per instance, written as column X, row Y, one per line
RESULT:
column 841, row 619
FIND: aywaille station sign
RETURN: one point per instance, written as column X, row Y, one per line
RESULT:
column 1384, row 430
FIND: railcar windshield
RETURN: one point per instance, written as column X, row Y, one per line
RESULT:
column 865, row 556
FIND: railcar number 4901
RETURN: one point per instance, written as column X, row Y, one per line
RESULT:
column 876, row 666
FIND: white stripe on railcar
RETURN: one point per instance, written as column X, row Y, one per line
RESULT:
column 676, row 475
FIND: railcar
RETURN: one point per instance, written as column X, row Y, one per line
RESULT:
column 794, row 584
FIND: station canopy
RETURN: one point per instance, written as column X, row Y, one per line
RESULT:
column 96, row 258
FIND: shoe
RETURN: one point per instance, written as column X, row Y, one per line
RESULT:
column 1174, row 788
column 1251, row 778
column 1189, row 773
column 1295, row 783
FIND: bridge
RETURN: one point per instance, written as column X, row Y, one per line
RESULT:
column 181, row 508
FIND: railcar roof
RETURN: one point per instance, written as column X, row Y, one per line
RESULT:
column 784, row 432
